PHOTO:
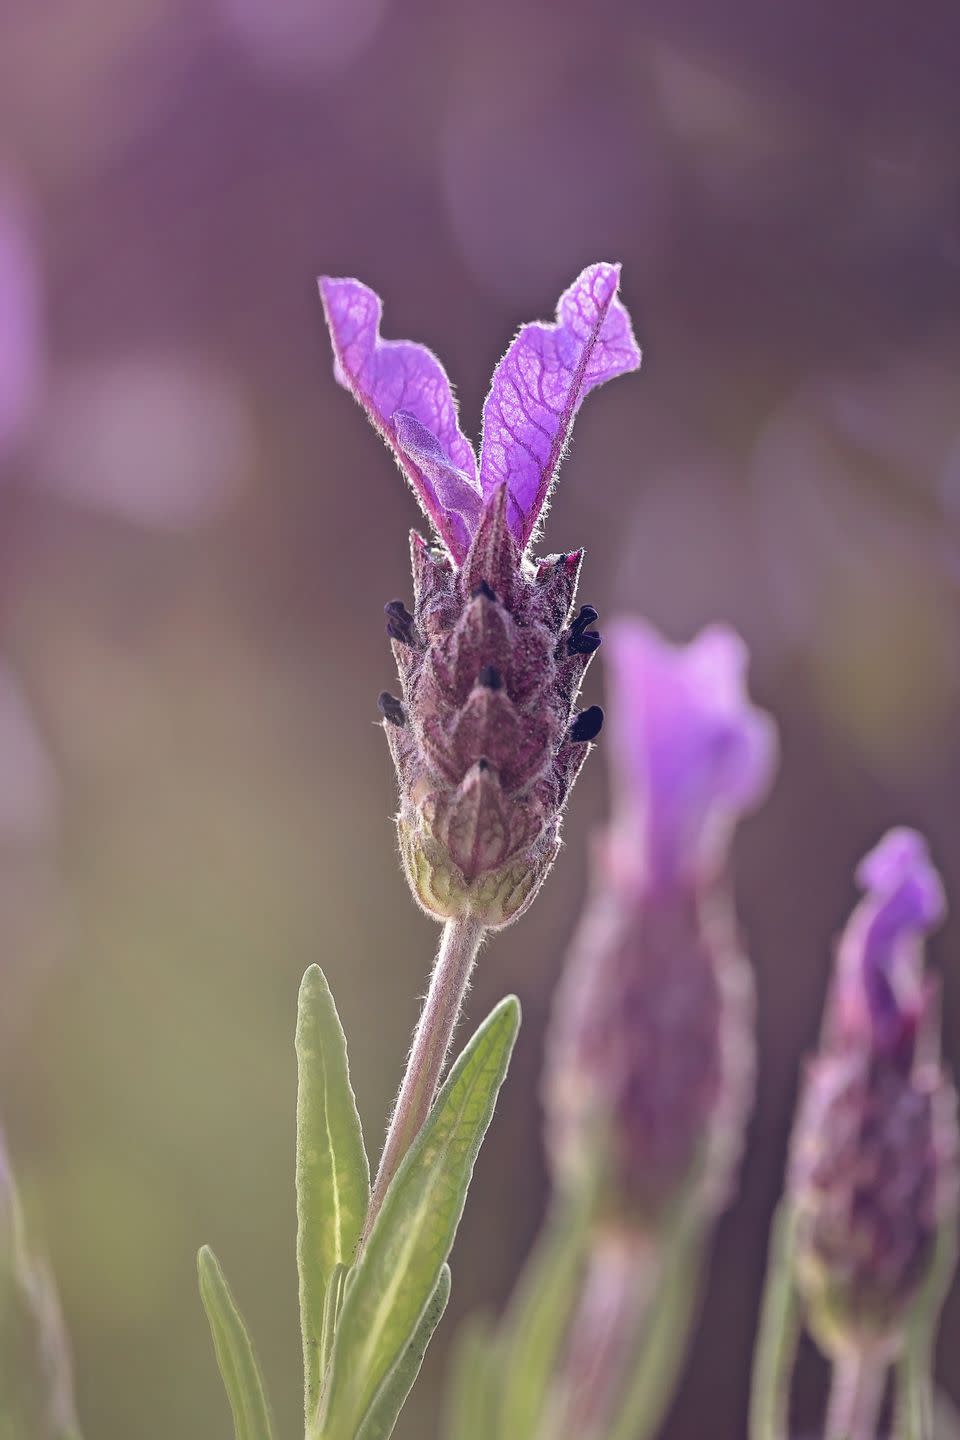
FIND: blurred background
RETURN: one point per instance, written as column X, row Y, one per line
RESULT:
column 198, row 532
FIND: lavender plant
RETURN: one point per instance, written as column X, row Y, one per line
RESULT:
column 486, row 745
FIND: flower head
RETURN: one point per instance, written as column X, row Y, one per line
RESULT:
column 484, row 737
column 691, row 754
column 873, row 1167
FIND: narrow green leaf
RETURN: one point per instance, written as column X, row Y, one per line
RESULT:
column 472, row 1395
column 666, row 1335
column 333, row 1174
column 235, row 1357
column 778, row 1336
column 400, row 1265
column 388, row 1402
column 539, row 1315
column 914, row 1386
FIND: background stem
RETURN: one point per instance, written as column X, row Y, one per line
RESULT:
column 431, row 1041
column 856, row 1397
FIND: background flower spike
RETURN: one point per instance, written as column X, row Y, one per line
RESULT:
column 873, row 1182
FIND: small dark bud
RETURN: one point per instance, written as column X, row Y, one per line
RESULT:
column 390, row 708
column 582, row 641
column 490, row 677
column 400, row 623
column 587, row 725
column 483, row 765
column 483, row 589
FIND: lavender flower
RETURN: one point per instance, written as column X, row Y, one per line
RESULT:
column 874, row 1156
column 690, row 753
column 484, row 738
column 651, row 1043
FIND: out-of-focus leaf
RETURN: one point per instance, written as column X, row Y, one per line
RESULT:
column 400, row 1265
column 333, row 1173
column 235, row 1357
column 778, row 1335
column 666, row 1334
column 915, row 1418
column 538, row 1317
column 36, row 1385
column 472, row 1396
column 387, row 1404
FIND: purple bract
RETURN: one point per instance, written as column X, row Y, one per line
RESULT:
column 691, row 754
column 881, row 994
column 528, row 415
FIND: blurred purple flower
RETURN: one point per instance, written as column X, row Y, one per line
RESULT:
column 651, row 1043
column 303, row 36
column 20, row 322
column 528, row 415
column 874, row 1154
column 691, row 754
column 881, row 997
column 160, row 439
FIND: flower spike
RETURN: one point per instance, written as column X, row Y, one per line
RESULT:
column 873, row 1173
column 486, row 739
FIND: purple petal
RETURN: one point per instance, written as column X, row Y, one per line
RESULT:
column 539, row 384
column 691, row 753
column 881, row 989
column 456, row 489
column 399, row 381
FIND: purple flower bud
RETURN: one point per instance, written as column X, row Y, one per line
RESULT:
column 691, row 754
column 874, row 1155
column 650, row 1060
column 485, row 739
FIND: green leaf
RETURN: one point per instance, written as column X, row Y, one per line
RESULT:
column 472, row 1396
column 235, row 1357
column 400, row 1265
column 387, row 1404
column 775, row 1352
column 333, row 1174
column 914, row 1388
column 538, row 1317
column 665, row 1339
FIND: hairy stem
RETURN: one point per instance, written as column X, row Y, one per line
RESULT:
column 618, row 1288
column 431, row 1041
column 856, row 1397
